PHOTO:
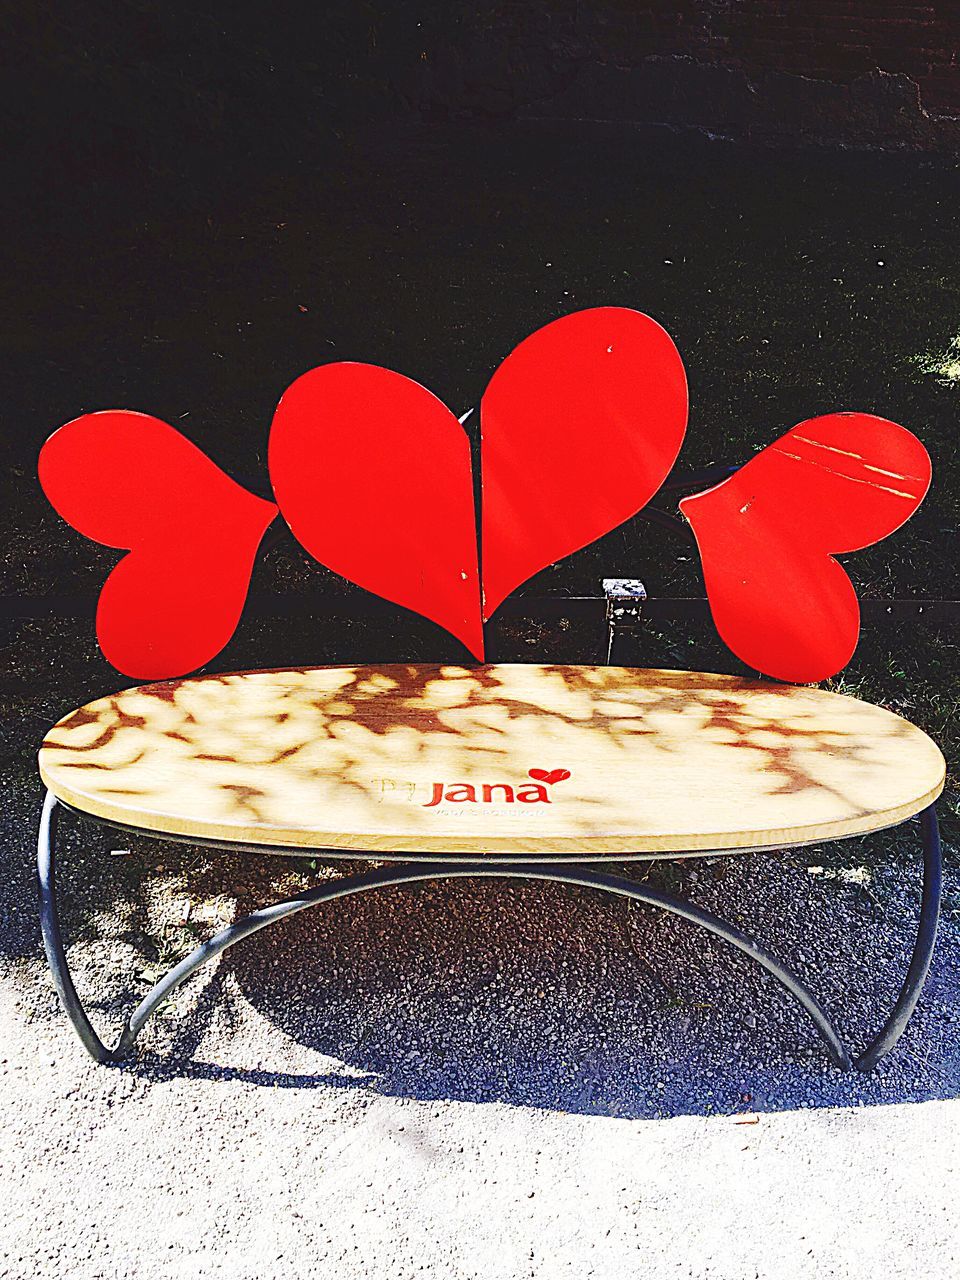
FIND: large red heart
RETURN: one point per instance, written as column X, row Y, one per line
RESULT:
column 767, row 537
column 130, row 480
column 580, row 426
column 372, row 474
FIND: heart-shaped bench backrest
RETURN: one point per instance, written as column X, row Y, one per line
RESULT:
column 580, row 426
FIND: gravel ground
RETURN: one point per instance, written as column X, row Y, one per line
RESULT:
column 481, row 1079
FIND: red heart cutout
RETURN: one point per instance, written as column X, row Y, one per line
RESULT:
column 129, row 480
column 554, row 775
column 580, row 426
column 767, row 537
column 372, row 474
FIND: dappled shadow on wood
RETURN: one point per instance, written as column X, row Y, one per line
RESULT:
column 518, row 759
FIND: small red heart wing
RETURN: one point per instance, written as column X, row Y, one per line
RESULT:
column 129, row 480
column 580, row 426
column 372, row 473
column 767, row 537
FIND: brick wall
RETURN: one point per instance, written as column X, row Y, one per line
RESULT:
column 848, row 72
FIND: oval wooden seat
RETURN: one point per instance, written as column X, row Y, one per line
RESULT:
column 519, row 760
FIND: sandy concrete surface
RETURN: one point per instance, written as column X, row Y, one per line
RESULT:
column 116, row 1174
column 478, row 1080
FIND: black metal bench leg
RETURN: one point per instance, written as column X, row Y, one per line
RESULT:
column 896, row 1024
column 381, row 877
column 53, row 941
column 413, row 872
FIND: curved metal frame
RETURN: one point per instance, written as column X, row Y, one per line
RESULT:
column 412, row 871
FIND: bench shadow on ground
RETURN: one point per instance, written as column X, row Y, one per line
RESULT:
column 537, row 995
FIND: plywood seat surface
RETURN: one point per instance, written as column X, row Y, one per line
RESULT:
column 526, row 760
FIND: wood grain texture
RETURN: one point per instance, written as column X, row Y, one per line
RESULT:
column 351, row 757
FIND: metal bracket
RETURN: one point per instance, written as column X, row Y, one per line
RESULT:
column 624, row 597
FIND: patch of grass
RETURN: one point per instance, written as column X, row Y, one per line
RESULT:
column 944, row 366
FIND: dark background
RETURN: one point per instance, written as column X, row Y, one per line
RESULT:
column 202, row 201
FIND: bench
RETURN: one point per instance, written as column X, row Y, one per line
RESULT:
column 537, row 772
column 540, row 772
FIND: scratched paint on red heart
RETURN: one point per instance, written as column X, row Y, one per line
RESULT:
column 769, row 534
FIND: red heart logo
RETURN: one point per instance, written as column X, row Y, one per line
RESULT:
column 767, row 537
column 130, row 480
column 580, row 426
column 372, row 473
column 554, row 775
